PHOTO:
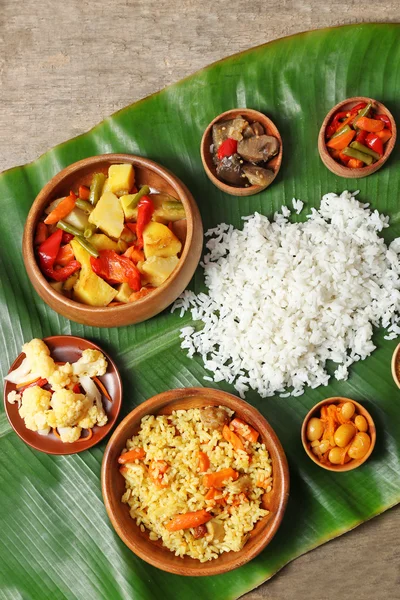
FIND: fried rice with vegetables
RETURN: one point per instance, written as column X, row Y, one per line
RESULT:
column 195, row 480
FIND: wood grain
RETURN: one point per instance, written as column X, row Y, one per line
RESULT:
column 64, row 66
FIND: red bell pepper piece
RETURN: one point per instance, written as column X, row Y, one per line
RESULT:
column 39, row 382
column 48, row 251
column 385, row 119
column 227, row 148
column 64, row 256
column 67, row 237
column 358, row 107
column 361, row 136
column 375, row 143
column 145, row 212
column 41, row 233
column 84, row 192
column 116, row 269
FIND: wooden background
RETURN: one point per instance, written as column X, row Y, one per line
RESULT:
column 66, row 65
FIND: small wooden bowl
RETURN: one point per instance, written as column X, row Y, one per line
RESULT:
column 67, row 348
column 113, row 484
column 340, row 169
column 353, row 464
column 395, row 359
column 146, row 172
column 207, row 156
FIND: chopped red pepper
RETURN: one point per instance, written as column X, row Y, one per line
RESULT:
column 84, row 192
column 335, row 123
column 358, row 107
column 361, row 135
column 375, row 143
column 145, row 212
column 116, row 269
column 67, row 237
column 385, row 119
column 39, row 382
column 345, row 159
column 48, row 251
column 64, row 256
column 227, row 148
column 41, row 233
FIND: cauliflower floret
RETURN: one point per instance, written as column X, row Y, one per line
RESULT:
column 68, row 408
column 69, row 434
column 13, row 397
column 93, row 393
column 39, row 358
column 34, row 407
column 90, row 419
column 62, row 377
column 92, row 363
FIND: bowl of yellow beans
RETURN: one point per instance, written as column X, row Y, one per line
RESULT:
column 338, row 434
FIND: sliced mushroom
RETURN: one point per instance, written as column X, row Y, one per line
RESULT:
column 229, row 169
column 214, row 417
column 258, row 148
column 216, row 531
column 224, row 129
column 257, row 175
column 253, row 129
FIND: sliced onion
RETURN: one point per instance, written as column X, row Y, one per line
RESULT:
column 19, row 374
column 44, row 431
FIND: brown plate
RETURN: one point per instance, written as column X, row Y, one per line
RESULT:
column 340, row 169
column 353, row 464
column 146, row 172
column 67, row 348
column 207, row 158
column 395, row 358
column 113, row 484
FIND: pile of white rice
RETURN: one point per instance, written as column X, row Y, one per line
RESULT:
column 178, row 439
column 283, row 298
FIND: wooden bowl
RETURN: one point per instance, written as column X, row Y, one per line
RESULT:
column 353, row 464
column 207, row 157
column 67, row 348
column 147, row 172
column 340, row 169
column 395, row 359
column 113, row 484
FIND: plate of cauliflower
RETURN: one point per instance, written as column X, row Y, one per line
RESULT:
column 62, row 394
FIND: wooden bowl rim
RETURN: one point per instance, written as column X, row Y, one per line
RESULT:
column 211, row 567
column 41, row 200
column 353, row 464
column 341, row 170
column 254, row 115
column 393, row 365
column 101, row 432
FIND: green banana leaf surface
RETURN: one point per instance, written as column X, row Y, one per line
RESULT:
column 55, row 537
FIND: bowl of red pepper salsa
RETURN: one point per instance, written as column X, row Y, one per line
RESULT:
column 112, row 240
column 357, row 137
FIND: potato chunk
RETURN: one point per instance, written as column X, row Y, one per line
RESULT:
column 108, row 215
column 157, row 269
column 159, row 240
column 103, row 242
column 121, row 179
column 90, row 288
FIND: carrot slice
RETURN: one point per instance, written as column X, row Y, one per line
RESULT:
column 65, row 255
column 245, row 430
column 103, row 388
column 134, row 254
column 384, row 135
column 354, row 163
column 54, row 430
column 131, row 455
column 220, row 478
column 26, row 384
column 341, row 141
column 84, row 192
column 157, row 469
column 204, row 462
column 188, row 520
column 140, row 294
column 210, row 494
column 232, row 438
column 366, row 124
column 41, row 233
column 61, row 210
column 87, row 437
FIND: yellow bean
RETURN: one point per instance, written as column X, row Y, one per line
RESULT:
column 360, row 445
column 324, row 446
column 361, row 423
column 348, row 410
column 344, row 434
column 315, row 429
column 335, row 455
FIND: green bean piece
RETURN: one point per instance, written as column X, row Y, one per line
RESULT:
column 96, row 187
column 87, row 246
column 89, row 231
column 340, row 131
column 362, row 113
column 69, row 228
column 366, row 158
column 144, row 190
column 365, row 149
column 173, row 205
column 84, row 205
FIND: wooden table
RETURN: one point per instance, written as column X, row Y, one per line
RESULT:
column 64, row 66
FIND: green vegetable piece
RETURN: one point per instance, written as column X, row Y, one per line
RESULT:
column 366, row 158
column 89, row 231
column 87, row 245
column 96, row 187
column 365, row 149
column 84, row 205
column 340, row 131
column 69, row 228
column 173, row 205
column 362, row 113
column 144, row 190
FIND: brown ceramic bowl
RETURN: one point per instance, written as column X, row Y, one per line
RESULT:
column 147, row 172
column 353, row 464
column 113, row 484
column 340, row 169
column 206, row 155
column 396, row 359
column 67, row 348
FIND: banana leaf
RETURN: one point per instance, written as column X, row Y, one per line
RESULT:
column 56, row 540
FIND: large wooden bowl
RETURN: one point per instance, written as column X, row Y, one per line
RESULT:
column 147, row 172
column 207, row 157
column 113, row 484
column 340, row 169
